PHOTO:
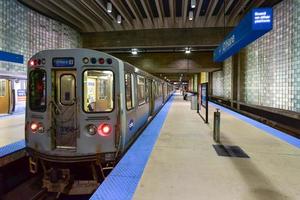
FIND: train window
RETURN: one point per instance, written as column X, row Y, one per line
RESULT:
column 37, row 90
column 67, row 89
column 2, row 87
column 161, row 89
column 128, row 91
column 165, row 89
column 141, row 90
column 98, row 89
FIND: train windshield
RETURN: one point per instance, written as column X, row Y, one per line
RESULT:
column 98, row 86
column 37, row 90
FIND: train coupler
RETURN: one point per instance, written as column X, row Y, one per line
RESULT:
column 33, row 165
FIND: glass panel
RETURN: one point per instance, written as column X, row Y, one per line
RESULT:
column 67, row 89
column 141, row 89
column 128, row 91
column 37, row 90
column 98, row 91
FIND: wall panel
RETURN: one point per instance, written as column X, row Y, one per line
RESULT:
column 24, row 31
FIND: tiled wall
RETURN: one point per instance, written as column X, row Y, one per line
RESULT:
column 24, row 31
column 217, row 84
column 295, row 68
column 222, row 80
column 227, row 77
column 268, row 69
column 271, row 73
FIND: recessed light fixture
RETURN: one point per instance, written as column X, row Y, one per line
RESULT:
column 191, row 15
column 119, row 19
column 134, row 51
column 109, row 7
column 187, row 50
column 193, row 3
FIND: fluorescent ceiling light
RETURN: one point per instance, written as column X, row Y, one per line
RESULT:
column 187, row 50
column 134, row 51
column 109, row 7
column 191, row 15
column 193, row 3
column 119, row 19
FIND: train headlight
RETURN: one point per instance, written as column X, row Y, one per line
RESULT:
column 41, row 128
column 34, row 127
column 104, row 129
column 92, row 129
column 37, row 127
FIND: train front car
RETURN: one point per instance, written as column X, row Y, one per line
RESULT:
column 72, row 117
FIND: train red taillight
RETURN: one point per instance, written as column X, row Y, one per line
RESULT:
column 101, row 61
column 104, row 129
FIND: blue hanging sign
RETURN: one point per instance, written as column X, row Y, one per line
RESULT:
column 11, row 57
column 254, row 25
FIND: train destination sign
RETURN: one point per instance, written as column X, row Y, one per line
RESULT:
column 255, row 24
column 63, row 62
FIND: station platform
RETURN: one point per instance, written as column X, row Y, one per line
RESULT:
column 12, row 143
column 183, row 163
column 11, row 129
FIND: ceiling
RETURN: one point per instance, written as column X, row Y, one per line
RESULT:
column 157, row 28
column 92, row 15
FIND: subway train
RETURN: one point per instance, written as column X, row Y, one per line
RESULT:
column 84, row 110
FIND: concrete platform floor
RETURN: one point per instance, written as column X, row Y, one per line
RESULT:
column 184, row 165
column 11, row 129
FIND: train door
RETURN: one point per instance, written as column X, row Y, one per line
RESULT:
column 5, row 96
column 130, row 102
column 148, row 94
column 65, row 112
column 152, row 97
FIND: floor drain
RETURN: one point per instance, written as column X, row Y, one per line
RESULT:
column 230, row 151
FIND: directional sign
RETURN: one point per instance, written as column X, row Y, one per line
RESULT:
column 255, row 24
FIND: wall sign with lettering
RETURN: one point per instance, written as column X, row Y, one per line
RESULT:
column 255, row 24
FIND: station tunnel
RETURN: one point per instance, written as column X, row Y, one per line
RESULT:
column 149, row 99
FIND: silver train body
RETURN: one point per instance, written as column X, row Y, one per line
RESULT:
column 85, row 106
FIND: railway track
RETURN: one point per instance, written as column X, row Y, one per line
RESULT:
column 32, row 189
